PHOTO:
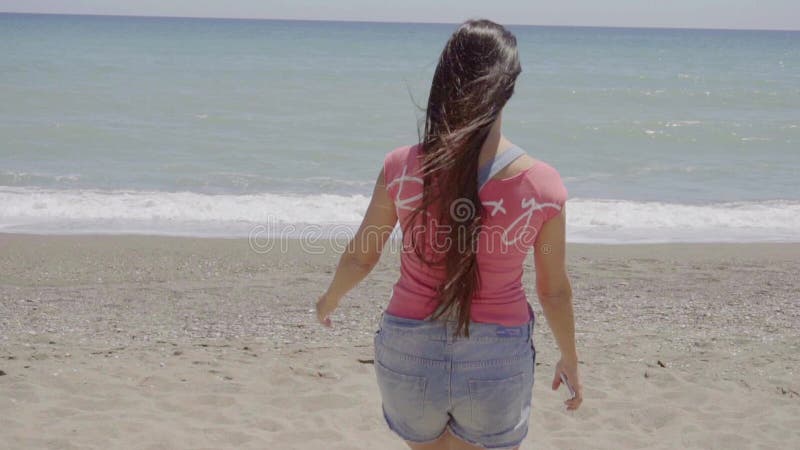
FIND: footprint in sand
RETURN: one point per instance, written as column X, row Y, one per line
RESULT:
column 655, row 417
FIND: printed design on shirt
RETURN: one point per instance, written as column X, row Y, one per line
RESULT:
column 521, row 223
column 404, row 203
column 529, row 206
column 497, row 206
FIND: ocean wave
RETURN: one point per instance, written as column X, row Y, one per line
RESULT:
column 593, row 220
column 36, row 210
column 172, row 213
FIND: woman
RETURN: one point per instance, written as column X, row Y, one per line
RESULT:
column 454, row 353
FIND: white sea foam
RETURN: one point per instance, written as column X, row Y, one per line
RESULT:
column 681, row 123
column 592, row 220
column 191, row 214
column 749, row 139
column 171, row 213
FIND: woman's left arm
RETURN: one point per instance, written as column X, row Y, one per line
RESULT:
column 362, row 252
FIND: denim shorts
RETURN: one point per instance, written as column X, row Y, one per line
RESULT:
column 479, row 387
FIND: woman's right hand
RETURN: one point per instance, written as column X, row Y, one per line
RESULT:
column 569, row 367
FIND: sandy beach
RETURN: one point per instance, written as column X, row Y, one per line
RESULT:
column 131, row 342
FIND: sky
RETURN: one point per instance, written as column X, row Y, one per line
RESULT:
column 750, row 14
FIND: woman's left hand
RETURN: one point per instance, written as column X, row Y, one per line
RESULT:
column 325, row 307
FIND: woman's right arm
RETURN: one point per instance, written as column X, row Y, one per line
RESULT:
column 555, row 296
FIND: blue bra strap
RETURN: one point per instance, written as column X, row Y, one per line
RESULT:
column 500, row 162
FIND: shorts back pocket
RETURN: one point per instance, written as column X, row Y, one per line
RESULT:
column 497, row 405
column 403, row 396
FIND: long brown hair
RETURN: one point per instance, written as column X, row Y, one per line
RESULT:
column 473, row 80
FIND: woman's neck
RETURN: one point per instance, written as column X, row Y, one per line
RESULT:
column 495, row 142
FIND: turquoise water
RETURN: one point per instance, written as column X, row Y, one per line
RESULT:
column 197, row 126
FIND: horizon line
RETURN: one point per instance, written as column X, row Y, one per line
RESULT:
column 281, row 19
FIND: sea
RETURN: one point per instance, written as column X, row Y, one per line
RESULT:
column 219, row 127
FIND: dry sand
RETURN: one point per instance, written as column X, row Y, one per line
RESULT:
column 170, row 343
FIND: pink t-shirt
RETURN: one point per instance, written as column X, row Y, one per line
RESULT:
column 514, row 210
